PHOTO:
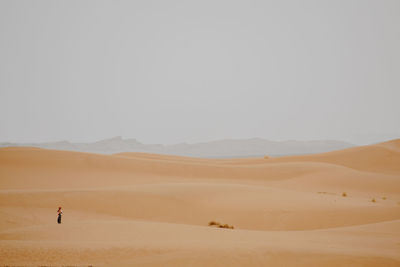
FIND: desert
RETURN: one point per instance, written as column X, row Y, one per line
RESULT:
column 209, row 133
column 339, row 208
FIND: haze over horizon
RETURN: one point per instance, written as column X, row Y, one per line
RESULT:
column 174, row 72
column 375, row 139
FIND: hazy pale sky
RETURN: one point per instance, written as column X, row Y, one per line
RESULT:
column 190, row 71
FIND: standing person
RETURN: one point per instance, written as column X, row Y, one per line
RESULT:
column 60, row 212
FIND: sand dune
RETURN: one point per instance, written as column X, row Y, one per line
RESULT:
column 139, row 209
column 382, row 158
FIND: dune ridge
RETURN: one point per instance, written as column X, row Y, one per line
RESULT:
column 140, row 209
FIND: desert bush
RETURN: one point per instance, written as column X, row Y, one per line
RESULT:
column 226, row 226
column 213, row 223
column 384, row 198
column 344, row 194
column 373, row 200
column 219, row 225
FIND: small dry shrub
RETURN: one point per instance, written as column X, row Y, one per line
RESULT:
column 226, row 226
column 373, row 200
column 344, row 194
column 384, row 198
column 219, row 225
column 213, row 223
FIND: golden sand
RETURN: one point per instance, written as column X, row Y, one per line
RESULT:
column 138, row 209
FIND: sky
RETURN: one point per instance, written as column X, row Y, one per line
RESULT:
column 193, row 71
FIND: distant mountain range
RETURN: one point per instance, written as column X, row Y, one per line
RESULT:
column 229, row 148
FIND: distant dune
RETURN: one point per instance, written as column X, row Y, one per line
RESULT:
column 215, row 149
column 340, row 208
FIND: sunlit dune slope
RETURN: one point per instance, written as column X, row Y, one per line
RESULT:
column 382, row 158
